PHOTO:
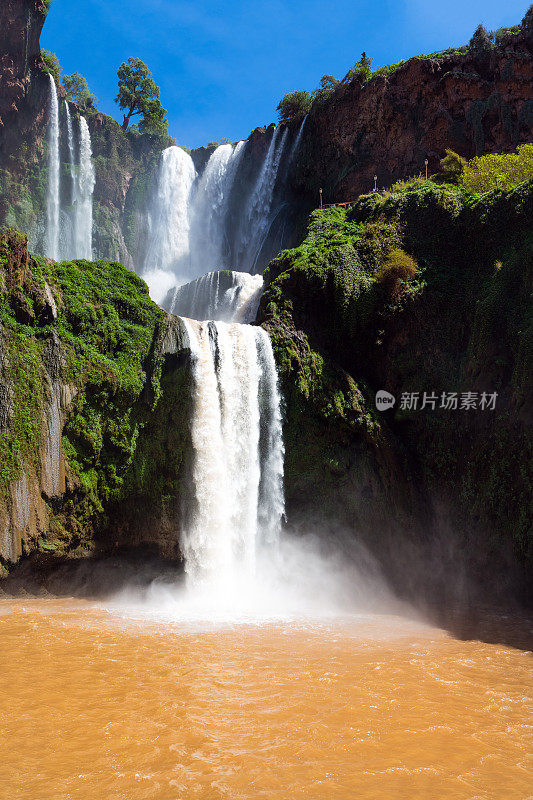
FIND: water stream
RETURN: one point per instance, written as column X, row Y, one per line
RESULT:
column 51, row 247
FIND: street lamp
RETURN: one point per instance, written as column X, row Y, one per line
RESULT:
column 375, row 182
column 320, row 190
column 426, row 162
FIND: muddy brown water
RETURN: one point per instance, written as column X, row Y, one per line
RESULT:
column 101, row 706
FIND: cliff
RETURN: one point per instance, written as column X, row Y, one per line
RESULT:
column 390, row 124
column 425, row 289
column 93, row 409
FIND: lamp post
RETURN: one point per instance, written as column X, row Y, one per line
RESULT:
column 320, row 190
column 426, row 162
column 375, row 183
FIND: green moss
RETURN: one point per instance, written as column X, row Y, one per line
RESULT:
column 462, row 322
column 107, row 326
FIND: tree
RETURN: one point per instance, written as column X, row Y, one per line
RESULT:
column 325, row 87
column 78, row 91
column 452, row 166
column 51, row 64
column 294, row 105
column 138, row 95
column 362, row 69
column 481, row 43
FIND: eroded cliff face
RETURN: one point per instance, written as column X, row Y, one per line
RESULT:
column 94, row 410
column 441, row 494
column 390, row 125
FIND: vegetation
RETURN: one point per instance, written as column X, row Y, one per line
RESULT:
column 138, row 95
column 294, row 105
column 481, row 43
column 78, row 91
column 452, row 166
column 427, row 288
column 498, row 170
column 397, row 270
column 107, row 326
column 52, row 65
column 325, row 88
column 362, row 69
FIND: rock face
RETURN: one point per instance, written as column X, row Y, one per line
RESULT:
column 442, row 495
column 94, row 406
column 20, row 70
column 390, row 125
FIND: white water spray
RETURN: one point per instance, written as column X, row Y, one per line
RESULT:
column 71, row 155
column 224, row 296
column 227, row 526
column 167, row 259
column 210, row 207
column 52, row 198
column 83, row 226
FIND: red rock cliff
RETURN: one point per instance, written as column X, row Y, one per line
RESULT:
column 390, row 125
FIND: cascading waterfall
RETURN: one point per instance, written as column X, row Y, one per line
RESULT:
column 191, row 231
column 68, row 232
column 256, row 220
column 296, row 145
column 51, row 249
column 237, row 455
column 209, row 209
column 83, row 227
column 224, row 296
column 73, row 183
column 167, row 258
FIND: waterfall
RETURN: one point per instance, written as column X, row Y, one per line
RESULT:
column 167, row 256
column 70, row 238
column 224, row 296
column 210, row 207
column 297, row 141
column 52, row 199
column 256, row 219
column 237, row 444
column 83, row 227
column 190, row 227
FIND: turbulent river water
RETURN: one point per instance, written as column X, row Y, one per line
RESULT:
column 111, row 703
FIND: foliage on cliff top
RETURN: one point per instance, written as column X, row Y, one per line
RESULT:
column 52, row 65
column 138, row 95
column 479, row 51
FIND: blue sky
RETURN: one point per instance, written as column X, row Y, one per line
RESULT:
column 223, row 66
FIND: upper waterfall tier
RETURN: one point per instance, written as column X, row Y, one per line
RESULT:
column 225, row 296
column 68, row 230
column 217, row 220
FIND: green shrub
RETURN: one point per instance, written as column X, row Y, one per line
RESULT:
column 452, row 166
column 52, row 65
column 498, row 170
column 325, row 88
column 78, row 91
column 362, row 69
column 481, row 43
column 399, row 268
column 294, row 105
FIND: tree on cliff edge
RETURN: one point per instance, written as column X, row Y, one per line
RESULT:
column 139, row 95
